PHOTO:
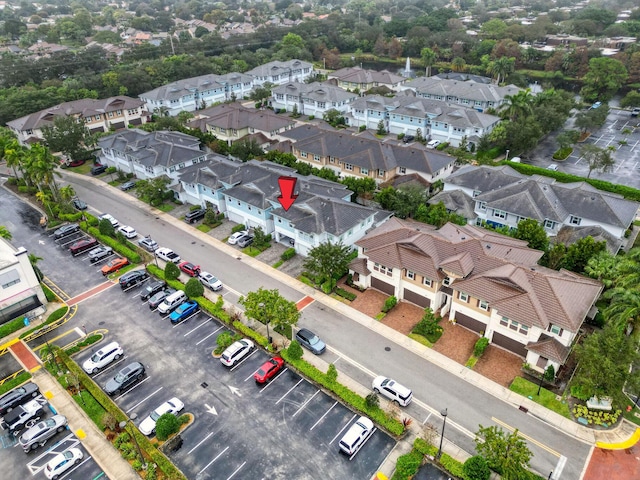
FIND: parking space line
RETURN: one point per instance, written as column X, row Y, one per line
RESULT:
column 251, row 375
column 322, row 417
column 132, row 389
column 236, row 471
column 343, row 428
column 113, row 365
column 427, row 419
column 201, row 325
column 305, row 404
column 212, row 333
column 144, row 400
column 199, row 443
column 353, row 362
column 243, row 360
column 272, row 381
column 47, row 452
column 289, row 391
column 211, row 462
column 363, row 443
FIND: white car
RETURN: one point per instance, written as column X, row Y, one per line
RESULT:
column 233, row 239
column 433, row 143
column 173, row 406
column 128, row 231
column 63, row 462
column 355, row 437
column 392, row 390
column 106, row 216
column 103, row 357
column 236, row 352
column 168, row 255
column 209, row 281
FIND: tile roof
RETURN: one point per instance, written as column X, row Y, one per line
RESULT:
column 316, row 91
column 549, row 347
column 488, row 266
column 235, row 116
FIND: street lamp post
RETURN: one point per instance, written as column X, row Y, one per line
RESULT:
column 444, row 424
column 507, row 157
column 123, row 425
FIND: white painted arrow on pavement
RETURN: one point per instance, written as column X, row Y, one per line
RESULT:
column 211, row 410
column 41, row 242
column 235, row 391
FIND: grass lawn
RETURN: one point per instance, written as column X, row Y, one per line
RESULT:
column 204, row 228
column 631, row 417
column 420, row 339
column 166, row 207
column 546, row 398
column 82, row 169
column 91, row 406
column 252, row 251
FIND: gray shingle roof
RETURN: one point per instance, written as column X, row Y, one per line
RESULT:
column 460, row 89
column 211, row 81
column 319, row 92
column 484, row 178
column 279, row 68
column 361, row 75
column 235, row 116
column 456, row 201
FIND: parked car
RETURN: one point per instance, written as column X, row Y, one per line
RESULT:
column 268, row 370
column 596, row 105
column 100, row 253
column 83, row 245
column 167, row 255
column 392, row 390
column 79, row 204
column 233, row 239
column 635, row 112
column 98, row 169
column 38, row 435
column 132, row 278
column 553, row 167
column 245, row 241
column 126, row 377
column 408, row 138
column 65, row 230
column 156, row 299
column 184, row 311
column 128, row 185
column 236, row 352
column 151, row 289
column 194, row 215
column 18, row 396
column 106, row 216
column 114, row 265
column 128, row 232
column 190, row 269
column 171, row 302
column 148, row 244
column 22, row 416
column 355, row 437
column 63, row 462
column 173, row 406
column 209, row 281
column 311, row 341
column 433, row 143
column 111, row 352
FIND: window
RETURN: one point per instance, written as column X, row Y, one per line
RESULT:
column 514, row 325
column 382, row 269
column 447, row 281
column 364, row 171
column 556, row 330
column 482, row 206
column 316, row 158
column 500, row 214
column 9, row 278
column 110, row 114
column 427, row 281
column 483, row 305
column 303, row 154
column 332, row 159
column 476, row 193
column 411, row 275
column 403, row 170
column 348, row 166
column 504, row 321
column 574, row 220
column 523, row 329
column 464, row 297
column 549, row 224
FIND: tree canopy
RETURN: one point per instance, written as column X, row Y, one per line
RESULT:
column 268, row 306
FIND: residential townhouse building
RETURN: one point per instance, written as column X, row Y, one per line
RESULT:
column 488, row 283
column 281, row 73
column 232, row 121
column 20, row 291
column 311, row 98
column 150, row 154
column 351, row 78
column 470, row 94
column 196, row 93
column 113, row 113
column 247, row 193
column 364, row 155
column 504, row 197
column 417, row 116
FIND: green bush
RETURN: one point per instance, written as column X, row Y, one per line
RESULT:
column 424, row 447
column 389, row 303
column 223, row 341
column 332, row 373
column 106, row 228
column 194, row 288
column 171, row 271
column 346, row 294
column 48, row 293
column 452, row 465
column 11, row 384
column 428, row 328
column 12, row 326
column 295, row 350
column 407, row 465
column 167, row 425
column 70, row 217
column 131, row 255
column 476, row 468
column 288, row 254
column 371, row 401
column 480, row 346
column 238, row 228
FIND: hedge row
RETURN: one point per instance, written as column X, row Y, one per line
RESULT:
column 13, row 383
column 12, row 326
column 131, row 255
column 409, row 464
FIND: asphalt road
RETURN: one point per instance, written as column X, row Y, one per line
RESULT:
column 362, row 353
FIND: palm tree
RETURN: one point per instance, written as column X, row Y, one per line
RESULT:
column 42, row 168
column 501, row 67
column 34, row 259
column 624, row 308
column 519, row 105
column 14, row 153
column 429, row 57
column 5, row 233
column 458, row 64
column 67, row 193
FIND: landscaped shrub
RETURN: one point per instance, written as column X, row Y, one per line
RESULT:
column 171, row 271
column 362, row 128
column 295, row 350
column 194, row 288
column 332, row 373
column 452, row 465
column 167, row 425
column 106, row 228
column 288, row 254
column 595, row 417
column 223, row 341
column 238, row 228
column 124, row 250
column 13, row 383
column 480, row 346
column 345, row 294
column 389, row 303
column 12, row 326
column 48, row 293
column 476, row 468
column 407, row 465
column 428, row 327
column 372, row 400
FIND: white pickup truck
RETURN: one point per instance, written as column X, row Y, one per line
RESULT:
column 23, row 416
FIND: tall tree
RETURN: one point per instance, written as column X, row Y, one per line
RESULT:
column 507, row 454
column 501, row 67
column 534, row 233
column 268, row 306
column 68, row 135
column 604, row 78
column 328, row 262
column 519, row 105
column 597, row 158
column 428, row 57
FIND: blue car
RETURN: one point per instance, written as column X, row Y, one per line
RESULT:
column 184, row 311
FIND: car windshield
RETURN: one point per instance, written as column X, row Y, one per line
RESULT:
column 119, row 378
column 68, row 455
column 95, row 357
column 50, row 422
column 313, row 340
column 262, row 372
column 155, row 415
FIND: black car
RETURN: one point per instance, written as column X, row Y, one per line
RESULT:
column 194, row 215
column 128, row 185
column 126, row 377
column 151, row 289
column 18, row 396
column 100, row 253
column 79, row 204
column 65, row 230
column 132, row 278
column 408, row 138
column 245, row 241
column 98, row 169
column 157, row 298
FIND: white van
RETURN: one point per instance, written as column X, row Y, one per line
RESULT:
column 355, row 437
column 171, row 302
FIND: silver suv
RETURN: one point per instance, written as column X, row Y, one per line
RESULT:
column 38, row 435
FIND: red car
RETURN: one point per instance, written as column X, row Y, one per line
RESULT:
column 83, row 245
column 190, row 269
column 268, row 370
column 114, row 265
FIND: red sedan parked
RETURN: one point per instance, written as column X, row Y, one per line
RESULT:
column 190, row 269
column 268, row 370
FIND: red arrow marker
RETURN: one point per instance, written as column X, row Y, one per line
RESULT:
column 287, row 187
